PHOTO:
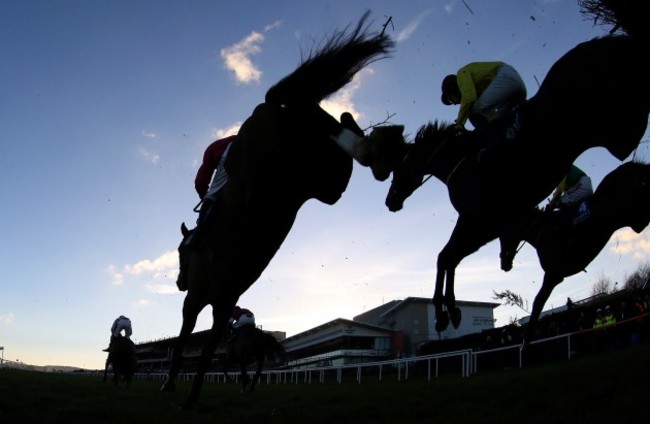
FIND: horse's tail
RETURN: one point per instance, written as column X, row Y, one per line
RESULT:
column 331, row 67
column 627, row 16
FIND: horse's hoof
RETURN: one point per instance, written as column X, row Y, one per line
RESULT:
column 442, row 322
column 168, row 386
column 455, row 316
column 506, row 260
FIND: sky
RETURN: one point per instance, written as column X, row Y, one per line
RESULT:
column 106, row 108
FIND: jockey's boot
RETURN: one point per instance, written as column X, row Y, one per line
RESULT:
column 108, row 349
column 351, row 138
column 347, row 121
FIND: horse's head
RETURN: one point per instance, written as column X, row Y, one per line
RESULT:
column 625, row 194
column 387, row 149
column 425, row 156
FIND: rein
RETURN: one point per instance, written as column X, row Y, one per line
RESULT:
column 430, row 158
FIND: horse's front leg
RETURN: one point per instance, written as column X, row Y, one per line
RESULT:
column 244, row 376
column 442, row 318
column 106, row 369
column 190, row 314
column 450, row 299
column 220, row 314
column 544, row 293
column 258, row 372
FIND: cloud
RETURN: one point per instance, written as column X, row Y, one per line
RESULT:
column 164, row 266
column 342, row 101
column 626, row 242
column 149, row 134
column 231, row 130
column 274, row 25
column 142, row 303
column 149, row 156
column 237, row 58
column 412, row 26
column 158, row 267
column 7, row 318
column 116, row 276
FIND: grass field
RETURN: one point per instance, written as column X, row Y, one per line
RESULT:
column 605, row 388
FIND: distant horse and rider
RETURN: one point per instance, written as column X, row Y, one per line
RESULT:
column 493, row 185
column 565, row 248
column 288, row 151
column 252, row 345
column 122, row 359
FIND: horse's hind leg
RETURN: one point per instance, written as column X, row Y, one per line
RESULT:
column 450, row 299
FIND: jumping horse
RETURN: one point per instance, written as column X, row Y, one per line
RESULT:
column 621, row 200
column 123, row 360
column 252, row 345
column 585, row 101
column 284, row 155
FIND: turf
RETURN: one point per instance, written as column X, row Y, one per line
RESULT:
column 608, row 387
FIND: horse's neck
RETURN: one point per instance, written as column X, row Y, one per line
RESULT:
column 443, row 159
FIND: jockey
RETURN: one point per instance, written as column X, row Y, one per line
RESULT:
column 214, row 158
column 120, row 324
column 572, row 190
column 487, row 92
column 569, row 198
column 241, row 317
column 213, row 167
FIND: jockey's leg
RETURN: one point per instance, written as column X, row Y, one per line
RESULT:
column 108, row 349
column 205, row 214
column 351, row 139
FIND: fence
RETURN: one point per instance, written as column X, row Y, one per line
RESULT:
column 461, row 363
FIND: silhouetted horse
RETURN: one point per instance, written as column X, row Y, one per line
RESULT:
column 585, row 101
column 283, row 156
column 252, row 345
column 123, row 360
column 622, row 199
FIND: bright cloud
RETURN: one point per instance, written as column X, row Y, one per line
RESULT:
column 231, row 130
column 341, row 101
column 626, row 242
column 237, row 58
column 158, row 267
column 163, row 267
column 7, row 318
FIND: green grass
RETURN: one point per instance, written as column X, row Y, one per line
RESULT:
column 609, row 387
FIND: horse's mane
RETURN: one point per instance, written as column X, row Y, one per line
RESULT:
column 428, row 132
column 330, row 67
column 629, row 17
